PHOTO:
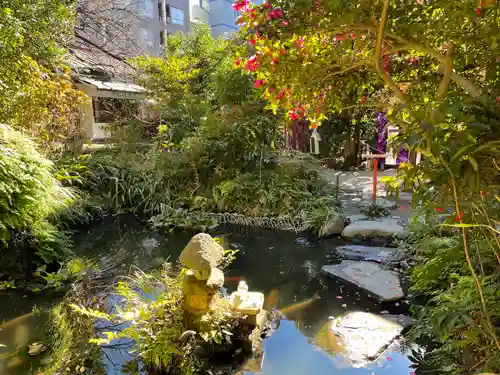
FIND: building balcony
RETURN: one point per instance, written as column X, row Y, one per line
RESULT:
column 200, row 14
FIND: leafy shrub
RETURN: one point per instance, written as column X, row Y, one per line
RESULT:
column 38, row 97
column 320, row 211
column 180, row 219
column 29, row 195
column 374, row 211
column 29, row 192
column 152, row 315
column 449, row 313
column 67, row 335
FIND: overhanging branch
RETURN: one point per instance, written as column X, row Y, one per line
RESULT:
column 378, row 60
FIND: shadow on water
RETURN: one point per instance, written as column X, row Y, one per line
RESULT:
column 280, row 264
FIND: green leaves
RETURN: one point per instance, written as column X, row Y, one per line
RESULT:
column 29, row 195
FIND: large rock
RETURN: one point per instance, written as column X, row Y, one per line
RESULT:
column 202, row 254
column 382, row 284
column 332, row 227
column 371, row 253
column 361, row 337
column 369, row 228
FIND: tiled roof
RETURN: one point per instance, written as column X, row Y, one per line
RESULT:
column 88, row 60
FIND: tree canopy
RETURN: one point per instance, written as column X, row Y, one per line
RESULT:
column 309, row 54
column 434, row 66
column 36, row 94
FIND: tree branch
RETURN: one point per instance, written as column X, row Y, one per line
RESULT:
column 378, row 61
column 448, row 70
column 88, row 41
column 345, row 70
column 460, row 80
column 469, row 86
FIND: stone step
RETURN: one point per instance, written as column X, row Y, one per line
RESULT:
column 388, row 204
column 373, row 229
column 357, row 217
column 382, row 284
column 371, row 253
column 363, row 336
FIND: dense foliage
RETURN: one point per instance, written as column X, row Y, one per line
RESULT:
column 152, row 315
column 36, row 93
column 215, row 150
column 438, row 63
column 37, row 100
column 29, row 196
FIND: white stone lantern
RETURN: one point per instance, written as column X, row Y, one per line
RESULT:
column 314, row 142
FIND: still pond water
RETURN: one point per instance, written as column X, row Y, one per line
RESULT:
column 280, row 263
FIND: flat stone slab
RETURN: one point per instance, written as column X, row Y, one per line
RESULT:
column 371, row 228
column 382, row 284
column 361, row 337
column 371, row 253
column 381, row 202
column 357, row 217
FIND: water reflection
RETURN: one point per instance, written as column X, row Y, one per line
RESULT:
column 282, row 266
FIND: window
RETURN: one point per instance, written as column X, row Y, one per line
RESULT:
column 145, row 37
column 108, row 110
column 162, row 38
column 177, row 15
column 146, row 8
column 204, row 4
column 160, row 12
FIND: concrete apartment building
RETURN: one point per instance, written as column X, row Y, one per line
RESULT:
column 222, row 18
column 110, row 31
column 158, row 19
column 132, row 27
column 180, row 15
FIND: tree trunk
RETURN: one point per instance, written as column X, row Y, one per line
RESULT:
column 352, row 145
column 357, row 138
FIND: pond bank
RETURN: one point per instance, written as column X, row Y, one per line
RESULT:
column 275, row 263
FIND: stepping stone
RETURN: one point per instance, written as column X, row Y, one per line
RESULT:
column 334, row 226
column 361, row 337
column 370, row 228
column 371, row 253
column 372, row 278
column 358, row 217
column 381, row 202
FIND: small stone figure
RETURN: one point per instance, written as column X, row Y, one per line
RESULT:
column 201, row 255
column 203, row 279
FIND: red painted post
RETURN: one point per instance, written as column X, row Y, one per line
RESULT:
column 374, row 193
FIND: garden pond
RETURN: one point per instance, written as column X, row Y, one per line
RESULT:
column 279, row 264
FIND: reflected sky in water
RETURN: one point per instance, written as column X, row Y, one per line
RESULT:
column 269, row 261
column 289, row 352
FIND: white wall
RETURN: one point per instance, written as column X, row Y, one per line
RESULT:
column 200, row 11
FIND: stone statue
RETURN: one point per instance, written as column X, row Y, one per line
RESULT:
column 203, row 279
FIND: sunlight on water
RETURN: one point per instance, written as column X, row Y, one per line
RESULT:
column 286, row 269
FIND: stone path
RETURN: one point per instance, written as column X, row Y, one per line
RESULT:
column 365, row 336
column 369, row 267
column 356, row 189
column 378, row 282
column 371, row 253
